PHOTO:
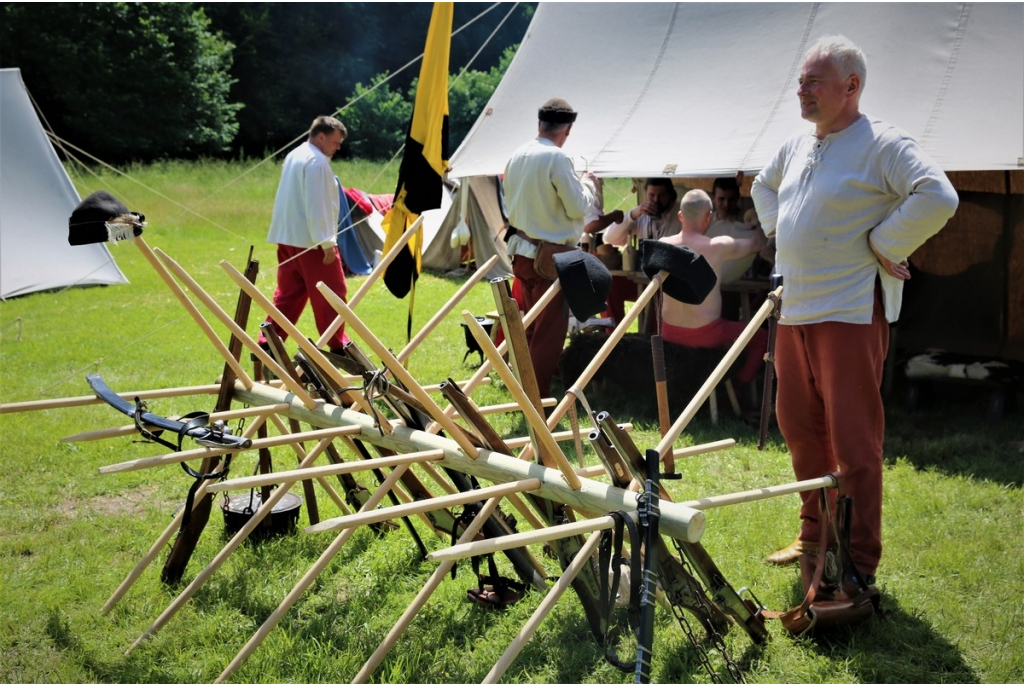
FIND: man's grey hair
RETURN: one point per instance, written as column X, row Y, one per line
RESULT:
column 694, row 205
column 843, row 53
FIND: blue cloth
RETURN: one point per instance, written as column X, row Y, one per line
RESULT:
column 348, row 243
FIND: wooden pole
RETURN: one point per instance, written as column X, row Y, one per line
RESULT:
column 403, row 356
column 235, row 329
column 480, row 375
column 307, row 579
column 360, row 329
column 188, row 455
column 193, row 311
column 616, row 335
column 377, row 272
column 379, row 515
column 265, row 508
column 545, row 444
column 546, row 605
column 166, row 536
column 531, row 537
column 309, row 348
column 421, row 598
column 707, row 447
column 716, row 376
column 279, row 477
column 86, row 400
column 680, row 523
column 761, row 493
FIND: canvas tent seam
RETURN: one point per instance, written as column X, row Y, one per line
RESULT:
column 784, row 92
column 670, row 27
column 947, row 77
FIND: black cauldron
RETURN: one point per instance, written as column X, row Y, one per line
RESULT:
column 283, row 518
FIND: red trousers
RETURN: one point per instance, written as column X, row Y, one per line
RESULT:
column 831, row 415
column 298, row 272
column 546, row 336
column 624, row 290
column 718, row 334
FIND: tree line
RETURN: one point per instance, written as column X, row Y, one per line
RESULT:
column 144, row 81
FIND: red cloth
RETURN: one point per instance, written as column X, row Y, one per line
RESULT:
column 719, row 334
column 622, row 291
column 546, row 336
column 360, row 199
column 298, row 272
column 831, row 415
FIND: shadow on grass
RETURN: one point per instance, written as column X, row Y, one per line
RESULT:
column 949, row 433
column 897, row 646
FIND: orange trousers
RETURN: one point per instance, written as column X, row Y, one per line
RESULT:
column 831, row 416
column 546, row 337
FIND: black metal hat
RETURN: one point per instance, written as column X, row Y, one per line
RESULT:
column 88, row 222
column 556, row 111
column 585, row 281
column 690, row 279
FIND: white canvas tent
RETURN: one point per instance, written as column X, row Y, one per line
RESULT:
column 36, row 199
column 701, row 90
column 707, row 89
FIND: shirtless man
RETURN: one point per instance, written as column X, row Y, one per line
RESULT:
column 702, row 325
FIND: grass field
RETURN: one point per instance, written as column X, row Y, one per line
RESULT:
column 952, row 526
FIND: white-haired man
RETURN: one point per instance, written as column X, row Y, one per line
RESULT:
column 848, row 202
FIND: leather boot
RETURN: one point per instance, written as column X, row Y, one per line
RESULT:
column 791, row 553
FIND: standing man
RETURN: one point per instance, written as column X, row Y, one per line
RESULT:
column 547, row 202
column 848, row 201
column 702, row 325
column 303, row 226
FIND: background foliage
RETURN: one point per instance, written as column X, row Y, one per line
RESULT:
column 142, row 81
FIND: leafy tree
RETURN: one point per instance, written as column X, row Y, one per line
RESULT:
column 125, row 81
column 377, row 119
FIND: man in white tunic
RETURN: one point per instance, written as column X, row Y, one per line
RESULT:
column 303, row 227
column 547, row 203
column 848, row 202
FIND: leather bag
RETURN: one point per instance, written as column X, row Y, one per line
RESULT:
column 544, row 262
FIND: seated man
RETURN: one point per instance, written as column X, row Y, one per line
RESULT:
column 656, row 217
column 728, row 220
column 702, row 325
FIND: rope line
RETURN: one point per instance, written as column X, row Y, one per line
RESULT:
column 68, row 149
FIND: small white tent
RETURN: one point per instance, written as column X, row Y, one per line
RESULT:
column 707, row 89
column 36, row 199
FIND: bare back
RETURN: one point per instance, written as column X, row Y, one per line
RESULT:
column 716, row 251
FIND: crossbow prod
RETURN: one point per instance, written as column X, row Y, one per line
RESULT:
column 150, row 425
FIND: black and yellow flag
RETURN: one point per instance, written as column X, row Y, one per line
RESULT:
column 426, row 155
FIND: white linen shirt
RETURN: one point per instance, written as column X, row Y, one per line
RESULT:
column 546, row 200
column 645, row 227
column 827, row 199
column 307, row 203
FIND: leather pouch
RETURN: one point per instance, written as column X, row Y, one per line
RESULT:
column 544, row 262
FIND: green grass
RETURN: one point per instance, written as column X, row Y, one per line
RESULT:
column 953, row 505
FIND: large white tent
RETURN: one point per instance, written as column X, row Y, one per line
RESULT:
column 36, row 199
column 707, row 89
